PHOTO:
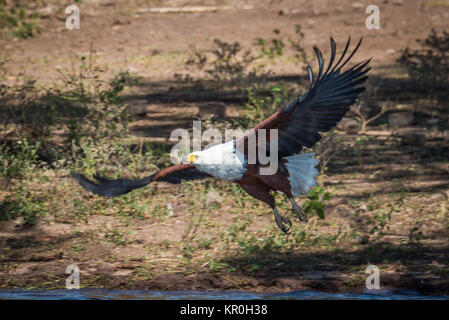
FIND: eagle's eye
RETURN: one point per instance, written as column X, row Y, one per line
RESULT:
column 193, row 158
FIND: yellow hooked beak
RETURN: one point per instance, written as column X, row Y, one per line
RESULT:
column 192, row 158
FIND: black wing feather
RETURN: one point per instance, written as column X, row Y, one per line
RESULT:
column 108, row 187
column 327, row 101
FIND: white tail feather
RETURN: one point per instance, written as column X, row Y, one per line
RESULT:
column 302, row 172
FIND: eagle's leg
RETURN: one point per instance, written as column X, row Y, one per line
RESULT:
column 261, row 192
column 282, row 221
column 302, row 216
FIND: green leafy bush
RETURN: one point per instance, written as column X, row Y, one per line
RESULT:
column 273, row 47
column 227, row 66
column 23, row 204
column 429, row 65
column 19, row 159
column 100, row 116
column 83, row 109
column 276, row 46
column 259, row 107
column 18, row 19
column 73, row 125
column 316, row 200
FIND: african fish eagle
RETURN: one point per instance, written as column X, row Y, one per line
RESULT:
column 328, row 99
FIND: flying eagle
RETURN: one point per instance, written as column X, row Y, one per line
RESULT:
column 298, row 124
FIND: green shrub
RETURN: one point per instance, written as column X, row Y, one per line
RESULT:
column 273, row 47
column 316, row 200
column 18, row 19
column 276, row 46
column 19, row 159
column 429, row 65
column 84, row 110
column 101, row 117
column 23, row 204
column 228, row 66
column 260, row 106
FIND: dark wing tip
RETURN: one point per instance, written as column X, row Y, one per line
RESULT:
column 333, row 52
column 342, row 55
column 86, row 183
column 108, row 188
column 320, row 62
column 310, row 72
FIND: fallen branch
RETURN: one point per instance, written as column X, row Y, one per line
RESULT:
column 362, row 118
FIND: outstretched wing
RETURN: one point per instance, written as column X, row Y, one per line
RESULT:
column 114, row 188
column 329, row 97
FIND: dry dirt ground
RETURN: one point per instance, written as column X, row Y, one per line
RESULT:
column 400, row 190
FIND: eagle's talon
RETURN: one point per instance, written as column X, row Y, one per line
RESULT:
column 302, row 216
column 282, row 221
column 283, row 227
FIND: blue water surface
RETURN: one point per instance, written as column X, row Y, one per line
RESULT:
column 103, row 294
